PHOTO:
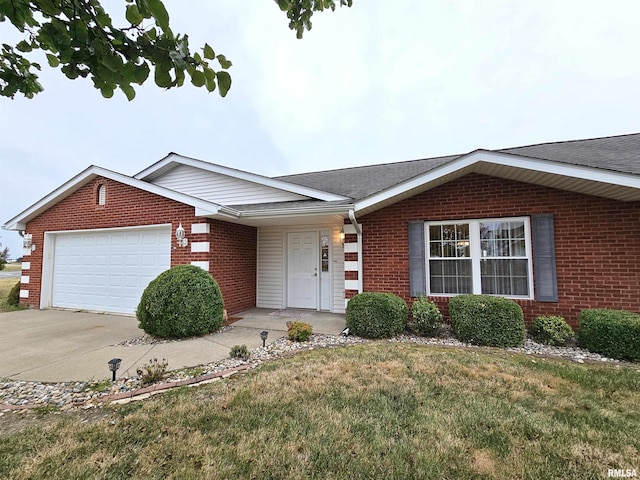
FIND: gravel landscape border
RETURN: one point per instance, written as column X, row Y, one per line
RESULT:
column 20, row 395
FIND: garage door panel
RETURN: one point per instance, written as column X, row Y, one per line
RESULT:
column 108, row 270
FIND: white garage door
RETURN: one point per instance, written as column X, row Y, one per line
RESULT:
column 107, row 270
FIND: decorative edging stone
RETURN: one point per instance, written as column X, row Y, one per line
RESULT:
column 161, row 387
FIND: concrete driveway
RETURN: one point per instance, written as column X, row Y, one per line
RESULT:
column 61, row 346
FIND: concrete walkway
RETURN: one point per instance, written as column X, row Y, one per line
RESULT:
column 62, row 346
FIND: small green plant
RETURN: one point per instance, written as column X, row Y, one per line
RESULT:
column 44, row 409
column 299, row 331
column 98, row 386
column 153, row 371
column 551, row 330
column 487, row 320
column 194, row 372
column 13, row 298
column 614, row 333
column 376, row 315
column 239, row 351
column 425, row 317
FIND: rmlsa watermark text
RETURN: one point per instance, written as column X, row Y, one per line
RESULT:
column 622, row 473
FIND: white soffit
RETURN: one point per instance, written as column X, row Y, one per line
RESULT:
column 574, row 178
column 173, row 159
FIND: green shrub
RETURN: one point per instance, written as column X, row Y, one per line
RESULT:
column 551, row 330
column 299, row 331
column 181, row 302
column 239, row 351
column 376, row 315
column 13, row 298
column 614, row 333
column 425, row 317
column 487, row 320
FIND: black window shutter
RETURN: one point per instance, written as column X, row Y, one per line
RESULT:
column 417, row 267
column 544, row 258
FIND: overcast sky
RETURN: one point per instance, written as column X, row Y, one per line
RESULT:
column 380, row 82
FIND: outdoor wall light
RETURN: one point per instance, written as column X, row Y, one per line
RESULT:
column 342, row 236
column 27, row 242
column 180, row 236
column 263, row 335
column 114, row 364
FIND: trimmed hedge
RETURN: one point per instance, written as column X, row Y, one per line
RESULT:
column 614, row 333
column 183, row 301
column 487, row 320
column 425, row 317
column 376, row 315
column 551, row 330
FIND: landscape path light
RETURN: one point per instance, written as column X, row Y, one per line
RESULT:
column 114, row 364
column 263, row 335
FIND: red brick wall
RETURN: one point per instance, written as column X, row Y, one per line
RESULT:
column 597, row 241
column 233, row 262
column 232, row 254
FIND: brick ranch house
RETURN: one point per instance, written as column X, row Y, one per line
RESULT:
column 555, row 226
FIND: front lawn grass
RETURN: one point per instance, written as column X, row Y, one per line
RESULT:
column 371, row 411
column 13, row 267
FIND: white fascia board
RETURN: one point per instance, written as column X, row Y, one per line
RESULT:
column 283, row 212
column 218, row 211
column 19, row 221
column 498, row 158
column 174, row 158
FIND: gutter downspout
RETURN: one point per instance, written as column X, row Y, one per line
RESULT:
column 356, row 225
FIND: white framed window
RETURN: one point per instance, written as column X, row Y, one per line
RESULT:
column 485, row 256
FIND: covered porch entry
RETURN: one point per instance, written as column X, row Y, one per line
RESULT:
column 301, row 267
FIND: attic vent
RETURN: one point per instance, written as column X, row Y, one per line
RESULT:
column 102, row 195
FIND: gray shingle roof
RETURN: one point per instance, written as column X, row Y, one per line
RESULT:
column 360, row 182
column 620, row 153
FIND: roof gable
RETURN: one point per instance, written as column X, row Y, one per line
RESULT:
column 281, row 190
column 19, row 221
column 222, row 189
column 576, row 178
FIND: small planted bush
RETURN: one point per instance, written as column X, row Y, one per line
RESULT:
column 487, row 320
column 425, row 317
column 183, row 301
column 13, row 298
column 153, row 371
column 299, row 331
column 551, row 330
column 376, row 315
column 239, row 351
column 614, row 333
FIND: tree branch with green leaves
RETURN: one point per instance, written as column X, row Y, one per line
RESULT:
column 79, row 37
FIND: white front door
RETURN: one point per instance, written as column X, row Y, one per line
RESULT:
column 302, row 270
